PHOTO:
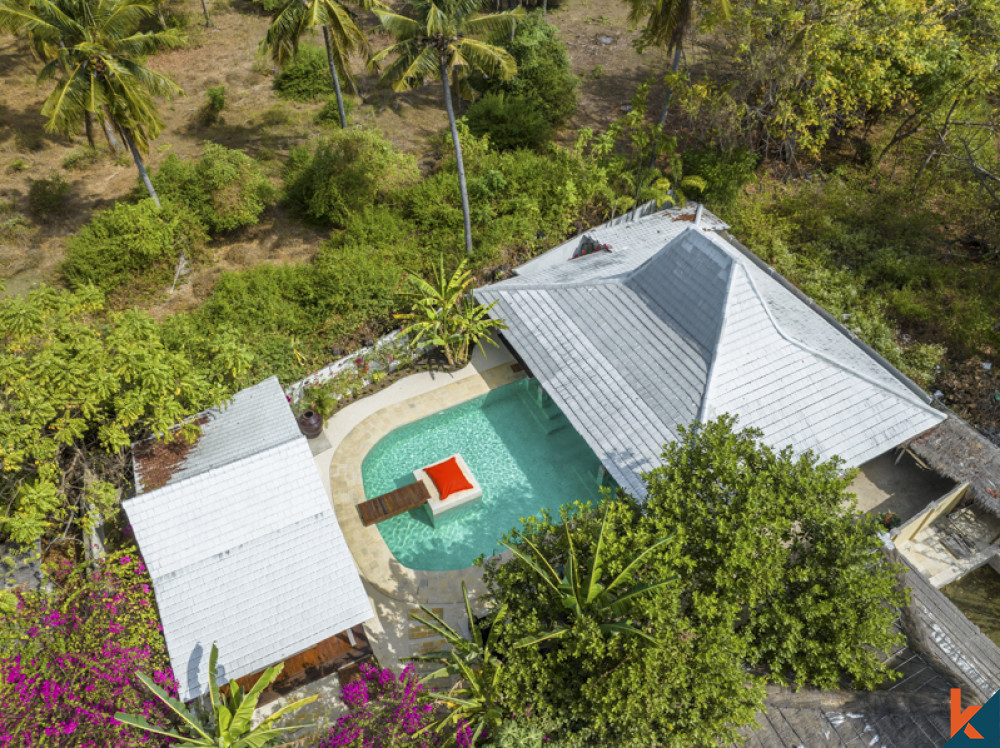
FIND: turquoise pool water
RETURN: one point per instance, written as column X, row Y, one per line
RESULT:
column 523, row 452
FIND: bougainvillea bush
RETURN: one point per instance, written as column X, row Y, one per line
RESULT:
column 387, row 709
column 68, row 658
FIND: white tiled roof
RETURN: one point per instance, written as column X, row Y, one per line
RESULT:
column 675, row 324
column 247, row 553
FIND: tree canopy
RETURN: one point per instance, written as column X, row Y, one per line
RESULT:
column 775, row 578
column 76, row 387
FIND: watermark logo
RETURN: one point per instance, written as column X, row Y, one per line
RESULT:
column 977, row 726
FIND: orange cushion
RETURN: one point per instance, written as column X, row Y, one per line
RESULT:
column 448, row 478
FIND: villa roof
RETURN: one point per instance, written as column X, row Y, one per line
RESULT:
column 672, row 323
column 958, row 451
column 243, row 546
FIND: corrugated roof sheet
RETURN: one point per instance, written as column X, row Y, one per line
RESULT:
column 674, row 324
column 246, row 550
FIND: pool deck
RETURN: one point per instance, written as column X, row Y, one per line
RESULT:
column 396, row 591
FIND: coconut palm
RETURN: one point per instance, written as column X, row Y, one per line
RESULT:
column 580, row 591
column 666, row 23
column 442, row 36
column 340, row 34
column 232, row 714
column 95, row 53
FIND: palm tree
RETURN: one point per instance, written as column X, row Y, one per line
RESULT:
column 578, row 587
column 474, row 697
column 439, row 38
column 95, row 53
column 666, row 23
column 232, row 715
column 340, row 34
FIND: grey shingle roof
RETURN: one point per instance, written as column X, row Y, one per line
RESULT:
column 254, row 420
column 674, row 323
column 246, row 550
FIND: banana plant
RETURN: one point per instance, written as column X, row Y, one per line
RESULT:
column 580, row 591
column 445, row 316
column 233, row 714
column 472, row 699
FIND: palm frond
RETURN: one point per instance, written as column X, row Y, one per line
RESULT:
column 488, row 25
column 487, row 58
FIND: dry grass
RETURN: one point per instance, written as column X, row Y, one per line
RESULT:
column 256, row 120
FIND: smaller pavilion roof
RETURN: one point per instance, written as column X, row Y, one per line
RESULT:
column 670, row 323
column 243, row 546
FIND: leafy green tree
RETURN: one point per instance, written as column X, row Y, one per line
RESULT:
column 340, row 34
column 233, row 713
column 474, row 698
column 543, row 75
column 593, row 686
column 771, row 547
column 440, row 38
column 445, row 315
column 95, row 52
column 77, row 385
column 582, row 589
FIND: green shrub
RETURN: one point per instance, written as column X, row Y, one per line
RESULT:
column 133, row 246
column 330, row 112
column 348, row 171
column 14, row 228
column 226, row 189
column 307, row 77
column 18, row 165
column 46, row 196
column 543, row 71
column 725, row 172
column 80, row 158
column 214, row 104
column 511, row 122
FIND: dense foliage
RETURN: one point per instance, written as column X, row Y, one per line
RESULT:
column 291, row 315
column 771, row 570
column 387, row 710
column 225, row 188
column 348, row 172
column 788, row 76
column 306, row 77
column 510, row 122
column 68, row 658
column 543, row 72
column 78, row 385
column 134, row 245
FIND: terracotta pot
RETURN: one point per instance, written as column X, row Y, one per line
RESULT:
column 311, row 424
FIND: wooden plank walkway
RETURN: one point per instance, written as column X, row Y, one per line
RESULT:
column 395, row 502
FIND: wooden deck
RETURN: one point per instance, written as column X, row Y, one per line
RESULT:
column 395, row 502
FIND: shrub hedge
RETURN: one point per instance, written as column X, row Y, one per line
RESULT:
column 307, row 77
column 226, row 189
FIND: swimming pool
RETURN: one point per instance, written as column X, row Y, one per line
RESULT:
column 519, row 446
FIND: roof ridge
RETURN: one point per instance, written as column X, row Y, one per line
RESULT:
column 822, row 356
column 714, row 351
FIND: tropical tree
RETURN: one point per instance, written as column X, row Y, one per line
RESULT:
column 474, row 699
column 340, row 34
column 440, row 38
column 95, row 53
column 445, row 315
column 665, row 23
column 77, row 386
column 233, row 714
column 578, row 586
